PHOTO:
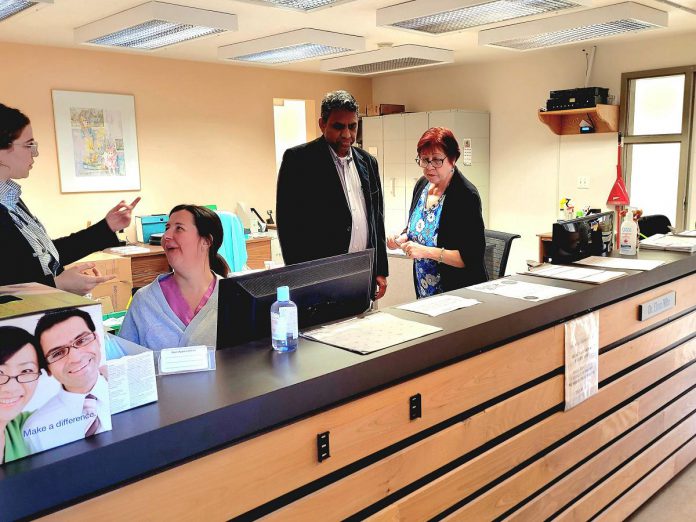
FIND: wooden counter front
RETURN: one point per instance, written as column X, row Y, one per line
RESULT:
column 492, row 440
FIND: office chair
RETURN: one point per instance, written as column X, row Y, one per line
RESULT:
column 497, row 251
column 654, row 224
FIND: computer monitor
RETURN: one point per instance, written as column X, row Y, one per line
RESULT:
column 324, row 290
column 575, row 239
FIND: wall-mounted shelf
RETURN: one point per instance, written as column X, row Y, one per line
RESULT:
column 605, row 118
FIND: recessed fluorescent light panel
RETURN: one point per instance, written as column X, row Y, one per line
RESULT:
column 388, row 59
column 300, row 5
column 12, row 7
column 445, row 16
column 293, row 46
column 154, row 25
column 575, row 27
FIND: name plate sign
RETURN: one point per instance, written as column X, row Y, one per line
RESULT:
column 657, row 306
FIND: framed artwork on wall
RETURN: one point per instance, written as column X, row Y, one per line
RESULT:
column 97, row 142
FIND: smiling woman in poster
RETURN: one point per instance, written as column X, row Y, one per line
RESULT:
column 28, row 253
column 20, row 366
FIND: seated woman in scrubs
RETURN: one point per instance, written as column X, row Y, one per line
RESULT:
column 180, row 308
column 20, row 368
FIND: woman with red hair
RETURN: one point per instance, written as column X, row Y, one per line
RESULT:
column 445, row 231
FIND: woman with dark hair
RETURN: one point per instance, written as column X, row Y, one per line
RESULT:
column 20, row 368
column 445, row 232
column 29, row 254
column 180, row 308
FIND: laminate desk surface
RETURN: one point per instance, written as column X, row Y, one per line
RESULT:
column 254, row 389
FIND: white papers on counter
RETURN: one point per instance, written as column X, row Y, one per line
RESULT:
column 686, row 233
column 438, row 305
column 581, row 359
column 520, row 290
column 620, row 263
column 370, row 333
column 128, row 250
column 670, row 242
column 574, row 273
column 132, row 381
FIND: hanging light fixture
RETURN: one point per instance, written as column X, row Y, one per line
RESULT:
column 154, row 25
column 10, row 8
column 590, row 24
column 444, row 16
column 388, row 59
column 303, row 44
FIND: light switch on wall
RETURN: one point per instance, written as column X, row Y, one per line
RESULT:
column 583, row 182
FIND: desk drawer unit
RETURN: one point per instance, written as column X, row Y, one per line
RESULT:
column 481, row 439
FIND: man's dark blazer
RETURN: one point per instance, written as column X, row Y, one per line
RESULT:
column 461, row 228
column 18, row 263
column 313, row 217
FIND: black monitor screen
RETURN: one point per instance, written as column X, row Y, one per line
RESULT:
column 324, row 290
column 578, row 238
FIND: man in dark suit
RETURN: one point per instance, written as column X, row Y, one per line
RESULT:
column 329, row 198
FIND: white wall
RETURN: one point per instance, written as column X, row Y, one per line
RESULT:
column 530, row 166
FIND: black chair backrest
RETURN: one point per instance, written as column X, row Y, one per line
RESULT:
column 654, row 224
column 497, row 251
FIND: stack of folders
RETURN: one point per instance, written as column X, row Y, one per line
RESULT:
column 677, row 243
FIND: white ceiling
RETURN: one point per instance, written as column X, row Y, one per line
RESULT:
column 53, row 25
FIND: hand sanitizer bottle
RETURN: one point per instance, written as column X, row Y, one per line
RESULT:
column 629, row 235
column 284, row 322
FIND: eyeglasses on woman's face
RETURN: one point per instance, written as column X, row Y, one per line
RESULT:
column 21, row 378
column 33, row 146
column 435, row 162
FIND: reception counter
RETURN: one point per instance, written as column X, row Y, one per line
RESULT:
column 467, row 423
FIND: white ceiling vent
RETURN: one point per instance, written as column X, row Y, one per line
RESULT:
column 388, row 59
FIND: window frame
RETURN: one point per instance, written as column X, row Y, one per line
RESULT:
column 684, row 184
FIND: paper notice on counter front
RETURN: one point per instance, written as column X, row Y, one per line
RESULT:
column 581, row 359
column 520, row 290
column 132, row 381
column 438, row 305
column 370, row 333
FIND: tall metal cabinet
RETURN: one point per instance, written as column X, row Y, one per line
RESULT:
column 393, row 139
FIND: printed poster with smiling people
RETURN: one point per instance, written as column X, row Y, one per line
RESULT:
column 53, row 384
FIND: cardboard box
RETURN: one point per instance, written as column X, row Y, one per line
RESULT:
column 52, row 410
column 372, row 110
column 119, row 292
column 390, row 108
column 109, row 264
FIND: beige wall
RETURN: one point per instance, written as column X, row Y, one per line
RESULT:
column 530, row 166
column 205, row 131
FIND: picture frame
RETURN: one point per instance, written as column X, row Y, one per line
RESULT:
column 97, row 142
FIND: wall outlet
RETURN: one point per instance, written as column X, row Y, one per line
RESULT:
column 583, row 182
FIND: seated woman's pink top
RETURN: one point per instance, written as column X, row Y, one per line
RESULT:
column 176, row 300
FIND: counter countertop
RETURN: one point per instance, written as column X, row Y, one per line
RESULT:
column 255, row 389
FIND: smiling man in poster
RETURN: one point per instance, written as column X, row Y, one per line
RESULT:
column 81, row 407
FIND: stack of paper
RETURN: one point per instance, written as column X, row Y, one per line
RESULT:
column 621, row 263
column 574, row 273
column 686, row 233
column 670, row 242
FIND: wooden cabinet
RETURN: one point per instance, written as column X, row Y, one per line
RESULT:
column 604, row 118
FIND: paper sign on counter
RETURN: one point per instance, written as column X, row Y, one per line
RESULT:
column 187, row 359
column 581, row 359
column 438, row 305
